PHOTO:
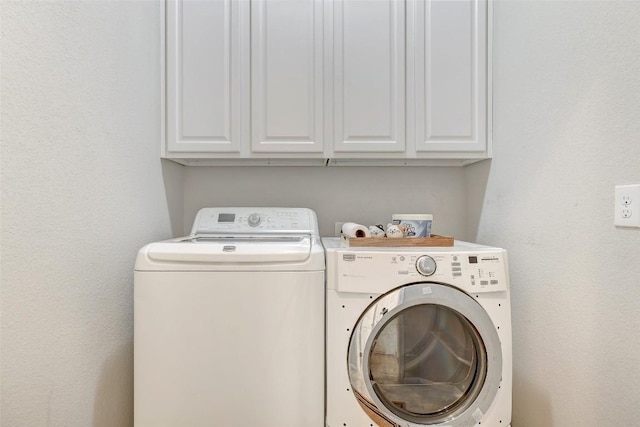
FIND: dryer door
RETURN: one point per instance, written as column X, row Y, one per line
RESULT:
column 424, row 354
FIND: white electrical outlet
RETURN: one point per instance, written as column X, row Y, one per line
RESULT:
column 627, row 206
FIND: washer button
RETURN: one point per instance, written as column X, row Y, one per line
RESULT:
column 254, row 220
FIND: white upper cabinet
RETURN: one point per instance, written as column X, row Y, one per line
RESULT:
column 369, row 75
column 287, row 76
column 448, row 112
column 204, row 78
column 306, row 81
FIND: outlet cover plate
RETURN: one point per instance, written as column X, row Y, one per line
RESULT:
column 627, row 206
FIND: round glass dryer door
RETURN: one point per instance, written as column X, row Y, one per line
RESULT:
column 424, row 354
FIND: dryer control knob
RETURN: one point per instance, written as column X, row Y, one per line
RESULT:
column 254, row 220
column 426, row 265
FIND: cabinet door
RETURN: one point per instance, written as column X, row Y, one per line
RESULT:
column 369, row 75
column 450, row 85
column 287, row 76
column 205, row 48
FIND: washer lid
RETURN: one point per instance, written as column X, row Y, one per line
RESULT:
column 232, row 250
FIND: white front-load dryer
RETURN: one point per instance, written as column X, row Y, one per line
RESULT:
column 229, row 323
column 418, row 336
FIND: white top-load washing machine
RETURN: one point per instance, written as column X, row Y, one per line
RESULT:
column 418, row 336
column 229, row 322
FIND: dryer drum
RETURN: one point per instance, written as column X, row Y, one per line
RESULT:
column 425, row 357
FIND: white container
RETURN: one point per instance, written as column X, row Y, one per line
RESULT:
column 416, row 225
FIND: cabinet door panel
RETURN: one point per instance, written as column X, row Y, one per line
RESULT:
column 369, row 69
column 203, row 75
column 286, row 72
column 451, row 76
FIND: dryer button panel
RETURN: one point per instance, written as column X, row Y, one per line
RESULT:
column 472, row 272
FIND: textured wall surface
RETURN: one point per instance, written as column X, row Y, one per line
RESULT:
column 567, row 129
column 361, row 194
column 82, row 189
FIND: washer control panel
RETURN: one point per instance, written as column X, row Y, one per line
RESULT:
column 254, row 220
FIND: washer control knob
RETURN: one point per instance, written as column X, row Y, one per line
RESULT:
column 254, row 220
column 426, row 265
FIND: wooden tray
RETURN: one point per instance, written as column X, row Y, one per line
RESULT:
column 434, row 240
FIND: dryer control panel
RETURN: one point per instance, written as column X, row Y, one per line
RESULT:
column 477, row 271
column 259, row 220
